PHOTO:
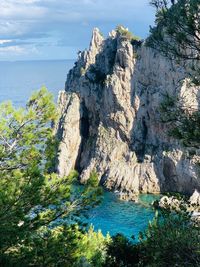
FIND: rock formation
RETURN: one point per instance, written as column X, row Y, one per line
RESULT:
column 110, row 121
column 191, row 205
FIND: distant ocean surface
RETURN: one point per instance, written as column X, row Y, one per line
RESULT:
column 19, row 79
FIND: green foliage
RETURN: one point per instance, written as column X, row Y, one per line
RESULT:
column 167, row 106
column 124, row 32
column 38, row 209
column 121, row 252
column 162, row 5
column 47, row 247
column 93, row 248
column 22, row 130
column 93, row 179
column 62, row 246
column 184, row 122
column 176, row 35
column 171, row 240
column 177, row 29
column 188, row 130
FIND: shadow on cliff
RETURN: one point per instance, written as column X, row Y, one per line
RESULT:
column 147, row 145
column 96, row 76
column 146, row 139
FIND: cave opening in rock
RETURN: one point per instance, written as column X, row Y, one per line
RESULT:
column 141, row 145
column 84, row 132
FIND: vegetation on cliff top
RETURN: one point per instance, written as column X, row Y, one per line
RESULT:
column 124, row 32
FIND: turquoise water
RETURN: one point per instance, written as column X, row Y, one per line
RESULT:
column 117, row 216
column 17, row 81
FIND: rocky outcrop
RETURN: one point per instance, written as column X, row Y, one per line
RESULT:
column 110, row 120
column 191, row 205
column 69, row 132
column 195, row 199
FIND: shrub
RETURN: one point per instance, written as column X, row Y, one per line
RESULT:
column 124, row 32
column 93, row 179
column 121, row 252
column 171, row 240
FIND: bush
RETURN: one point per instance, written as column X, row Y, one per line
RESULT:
column 93, row 179
column 171, row 240
column 124, row 32
column 93, row 247
column 122, row 252
column 184, row 122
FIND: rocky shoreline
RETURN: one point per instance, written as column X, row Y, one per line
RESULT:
column 191, row 205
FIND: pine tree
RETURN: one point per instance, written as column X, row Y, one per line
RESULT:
column 39, row 211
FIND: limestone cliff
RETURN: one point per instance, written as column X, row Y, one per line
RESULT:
column 110, row 120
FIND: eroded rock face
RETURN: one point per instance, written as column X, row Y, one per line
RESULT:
column 110, row 120
column 69, row 132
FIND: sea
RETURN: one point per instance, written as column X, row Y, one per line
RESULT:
column 21, row 78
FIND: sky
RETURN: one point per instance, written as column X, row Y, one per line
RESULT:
column 58, row 29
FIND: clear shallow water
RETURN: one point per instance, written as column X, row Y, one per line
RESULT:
column 117, row 216
column 17, row 81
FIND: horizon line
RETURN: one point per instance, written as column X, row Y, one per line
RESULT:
column 29, row 60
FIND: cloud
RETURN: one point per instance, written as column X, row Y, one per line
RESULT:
column 68, row 22
column 12, row 49
column 17, row 51
column 3, row 42
column 14, row 9
column 69, row 10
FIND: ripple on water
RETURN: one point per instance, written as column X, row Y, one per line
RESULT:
column 117, row 216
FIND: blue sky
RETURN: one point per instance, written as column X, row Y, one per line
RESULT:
column 57, row 29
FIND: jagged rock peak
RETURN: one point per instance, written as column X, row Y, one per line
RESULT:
column 110, row 119
column 97, row 39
